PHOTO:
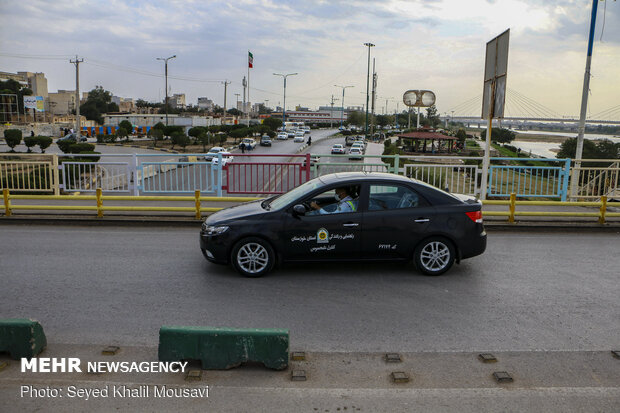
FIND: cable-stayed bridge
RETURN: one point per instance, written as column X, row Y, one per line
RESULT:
column 519, row 109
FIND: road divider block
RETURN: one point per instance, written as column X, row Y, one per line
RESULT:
column 21, row 337
column 220, row 348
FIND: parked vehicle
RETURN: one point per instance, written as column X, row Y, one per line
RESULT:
column 227, row 157
column 299, row 138
column 249, row 143
column 265, row 140
column 355, row 154
column 387, row 218
column 213, row 153
column 338, row 149
column 282, row 136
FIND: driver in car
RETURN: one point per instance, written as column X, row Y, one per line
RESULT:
column 345, row 203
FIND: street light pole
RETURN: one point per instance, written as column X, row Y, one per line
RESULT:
column 342, row 107
column 369, row 45
column 165, row 59
column 284, row 76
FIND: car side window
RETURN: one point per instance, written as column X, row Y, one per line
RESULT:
column 334, row 201
column 389, row 197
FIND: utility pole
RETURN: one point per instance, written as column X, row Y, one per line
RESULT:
column 77, row 62
column 165, row 59
column 342, row 107
column 237, row 101
column 331, row 114
column 369, row 45
column 584, row 105
column 226, row 83
column 374, row 97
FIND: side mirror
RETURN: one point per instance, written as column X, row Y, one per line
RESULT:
column 299, row 209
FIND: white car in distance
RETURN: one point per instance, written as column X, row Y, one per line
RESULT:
column 226, row 158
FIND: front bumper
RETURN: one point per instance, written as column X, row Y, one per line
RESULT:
column 214, row 247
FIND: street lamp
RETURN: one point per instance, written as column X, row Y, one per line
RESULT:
column 165, row 59
column 342, row 107
column 284, row 76
column 369, row 45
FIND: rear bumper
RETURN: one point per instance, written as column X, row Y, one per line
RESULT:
column 474, row 245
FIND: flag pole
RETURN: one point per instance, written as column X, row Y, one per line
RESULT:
column 249, row 104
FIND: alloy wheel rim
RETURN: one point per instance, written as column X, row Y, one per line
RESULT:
column 252, row 258
column 435, row 256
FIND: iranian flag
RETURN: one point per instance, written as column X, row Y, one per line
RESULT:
column 250, row 59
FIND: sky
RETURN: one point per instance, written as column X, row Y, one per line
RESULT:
column 436, row 45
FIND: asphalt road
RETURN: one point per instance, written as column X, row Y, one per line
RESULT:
column 94, row 285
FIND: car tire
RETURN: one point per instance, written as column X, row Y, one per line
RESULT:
column 434, row 256
column 253, row 257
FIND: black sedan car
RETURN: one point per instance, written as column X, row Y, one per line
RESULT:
column 348, row 216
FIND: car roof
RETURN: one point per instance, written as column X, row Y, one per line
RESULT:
column 364, row 176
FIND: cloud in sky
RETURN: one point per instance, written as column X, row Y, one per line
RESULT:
column 436, row 44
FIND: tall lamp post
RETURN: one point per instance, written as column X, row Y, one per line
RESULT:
column 165, row 59
column 369, row 45
column 284, row 76
column 342, row 107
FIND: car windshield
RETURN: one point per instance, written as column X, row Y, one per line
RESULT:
column 288, row 197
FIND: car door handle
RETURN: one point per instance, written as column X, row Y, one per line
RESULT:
column 351, row 224
column 421, row 220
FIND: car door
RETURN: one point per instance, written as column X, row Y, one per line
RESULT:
column 395, row 219
column 317, row 237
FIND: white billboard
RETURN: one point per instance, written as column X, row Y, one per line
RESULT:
column 34, row 102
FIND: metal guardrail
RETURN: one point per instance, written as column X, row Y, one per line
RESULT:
column 8, row 206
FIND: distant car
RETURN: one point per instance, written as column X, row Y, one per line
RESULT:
column 290, row 134
column 299, row 138
column 226, row 158
column 213, row 153
column 249, row 143
column 359, row 146
column 282, row 136
column 265, row 140
column 314, row 159
column 73, row 137
column 355, row 153
column 306, row 129
column 338, row 149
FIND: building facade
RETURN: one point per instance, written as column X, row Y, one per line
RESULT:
column 61, row 102
column 206, row 104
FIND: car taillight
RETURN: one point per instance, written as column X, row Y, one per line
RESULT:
column 475, row 216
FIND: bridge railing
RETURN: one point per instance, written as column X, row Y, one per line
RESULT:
column 597, row 178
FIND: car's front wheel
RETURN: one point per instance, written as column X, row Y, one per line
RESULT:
column 253, row 257
column 434, row 256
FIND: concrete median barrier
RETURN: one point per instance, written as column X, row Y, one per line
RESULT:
column 21, row 337
column 224, row 348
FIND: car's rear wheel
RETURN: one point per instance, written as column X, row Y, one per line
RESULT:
column 253, row 257
column 434, row 256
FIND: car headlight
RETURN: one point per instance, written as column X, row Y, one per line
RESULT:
column 214, row 229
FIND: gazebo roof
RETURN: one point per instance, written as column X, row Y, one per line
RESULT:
column 426, row 135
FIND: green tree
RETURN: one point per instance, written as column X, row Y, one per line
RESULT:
column 204, row 139
column 170, row 129
column 384, row 120
column 195, row 132
column 432, row 116
column 160, row 126
column 125, row 124
column 357, row 118
column 179, row 138
column 122, row 133
column 30, row 141
column 44, row 142
column 500, row 135
column 99, row 101
column 234, row 112
column 272, row 123
column 462, row 135
column 156, row 134
column 601, row 149
column 13, row 87
column 12, row 137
